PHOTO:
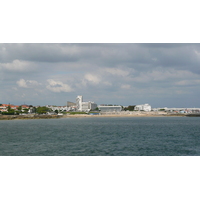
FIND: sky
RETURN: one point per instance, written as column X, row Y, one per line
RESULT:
column 163, row 75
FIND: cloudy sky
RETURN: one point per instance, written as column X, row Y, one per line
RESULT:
column 125, row 74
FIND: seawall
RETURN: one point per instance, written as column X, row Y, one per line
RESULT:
column 14, row 117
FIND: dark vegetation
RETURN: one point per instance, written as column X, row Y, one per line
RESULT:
column 130, row 108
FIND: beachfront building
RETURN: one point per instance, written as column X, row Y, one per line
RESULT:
column 58, row 108
column 79, row 100
column 143, row 107
column 107, row 108
column 92, row 105
column 84, row 106
column 178, row 110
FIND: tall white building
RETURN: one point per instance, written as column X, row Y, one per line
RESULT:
column 84, row 106
column 79, row 100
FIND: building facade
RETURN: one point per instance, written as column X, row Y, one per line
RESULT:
column 110, row 108
column 79, row 100
column 92, row 105
column 143, row 107
column 84, row 106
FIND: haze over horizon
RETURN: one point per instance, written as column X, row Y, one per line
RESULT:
column 163, row 75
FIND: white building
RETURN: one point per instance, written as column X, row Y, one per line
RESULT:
column 144, row 107
column 184, row 110
column 84, row 106
column 92, row 105
column 110, row 108
column 58, row 108
column 79, row 100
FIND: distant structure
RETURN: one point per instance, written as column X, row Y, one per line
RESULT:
column 84, row 106
column 58, row 108
column 178, row 110
column 110, row 108
column 70, row 104
column 79, row 100
column 143, row 107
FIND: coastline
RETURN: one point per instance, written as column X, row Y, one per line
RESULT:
column 135, row 114
column 24, row 117
column 122, row 116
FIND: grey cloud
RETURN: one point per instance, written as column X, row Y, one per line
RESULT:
column 58, row 86
column 124, row 73
column 27, row 83
column 132, row 55
column 39, row 52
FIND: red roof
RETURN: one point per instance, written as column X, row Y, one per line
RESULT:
column 6, row 105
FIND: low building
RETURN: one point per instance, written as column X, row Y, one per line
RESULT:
column 58, row 108
column 178, row 110
column 3, row 108
column 143, row 107
column 110, row 108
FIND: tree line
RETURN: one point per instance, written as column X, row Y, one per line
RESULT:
column 20, row 110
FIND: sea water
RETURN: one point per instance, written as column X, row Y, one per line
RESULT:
column 117, row 136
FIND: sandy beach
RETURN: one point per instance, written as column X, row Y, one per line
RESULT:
column 129, row 114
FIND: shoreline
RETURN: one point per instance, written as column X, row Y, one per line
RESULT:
column 26, row 117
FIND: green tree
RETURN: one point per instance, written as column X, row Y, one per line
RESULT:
column 34, row 110
column 9, row 112
column 25, row 110
column 42, row 110
column 19, row 108
column 130, row 108
column 9, row 108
